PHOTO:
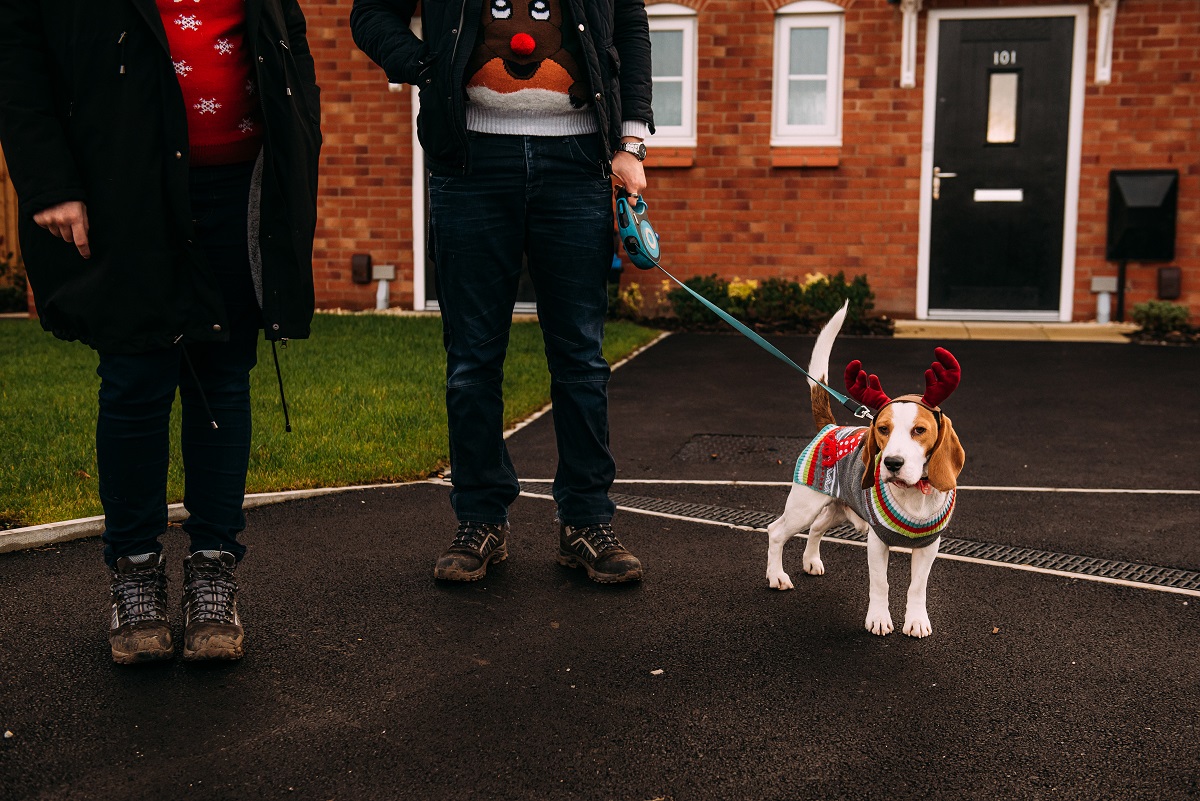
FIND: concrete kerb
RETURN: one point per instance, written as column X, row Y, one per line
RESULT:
column 19, row 539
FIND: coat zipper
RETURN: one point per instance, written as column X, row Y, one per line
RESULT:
column 459, row 130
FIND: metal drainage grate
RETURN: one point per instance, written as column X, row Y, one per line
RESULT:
column 1168, row 577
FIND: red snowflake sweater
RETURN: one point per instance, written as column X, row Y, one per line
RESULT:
column 214, row 70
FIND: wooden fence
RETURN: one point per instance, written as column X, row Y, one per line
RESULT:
column 10, row 249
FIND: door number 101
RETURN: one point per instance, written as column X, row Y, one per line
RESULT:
column 1004, row 58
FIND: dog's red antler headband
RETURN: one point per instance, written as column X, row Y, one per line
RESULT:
column 942, row 377
column 865, row 388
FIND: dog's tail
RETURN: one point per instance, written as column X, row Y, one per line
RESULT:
column 818, row 367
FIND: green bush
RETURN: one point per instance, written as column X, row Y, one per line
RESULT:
column 826, row 297
column 1159, row 318
column 691, row 311
column 12, row 287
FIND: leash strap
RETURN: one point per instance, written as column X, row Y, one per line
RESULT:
column 854, row 406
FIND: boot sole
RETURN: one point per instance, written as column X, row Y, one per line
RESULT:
column 145, row 655
column 496, row 556
column 221, row 650
column 570, row 560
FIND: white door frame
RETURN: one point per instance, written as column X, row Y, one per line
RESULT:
column 1074, row 153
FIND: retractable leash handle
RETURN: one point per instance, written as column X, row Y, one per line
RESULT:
column 642, row 244
column 637, row 234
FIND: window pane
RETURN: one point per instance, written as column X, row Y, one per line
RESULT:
column 809, row 51
column 668, row 102
column 1002, row 108
column 666, row 53
column 806, row 102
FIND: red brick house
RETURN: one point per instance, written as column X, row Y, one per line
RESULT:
column 956, row 152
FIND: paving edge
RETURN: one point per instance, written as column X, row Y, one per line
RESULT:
column 19, row 539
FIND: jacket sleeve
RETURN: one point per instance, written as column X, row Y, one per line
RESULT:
column 35, row 144
column 631, row 37
column 381, row 30
column 297, row 31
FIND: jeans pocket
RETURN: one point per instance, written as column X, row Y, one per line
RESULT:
column 586, row 157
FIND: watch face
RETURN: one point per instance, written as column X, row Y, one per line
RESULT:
column 638, row 149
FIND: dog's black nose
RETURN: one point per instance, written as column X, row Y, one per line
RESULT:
column 894, row 463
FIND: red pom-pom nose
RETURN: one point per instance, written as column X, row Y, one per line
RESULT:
column 522, row 44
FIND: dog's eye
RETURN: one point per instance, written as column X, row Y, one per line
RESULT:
column 539, row 10
column 882, row 430
column 501, row 9
column 919, row 430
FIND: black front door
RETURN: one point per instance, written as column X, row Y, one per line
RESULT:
column 1000, row 164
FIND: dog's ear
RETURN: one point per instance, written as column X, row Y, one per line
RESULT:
column 869, row 451
column 946, row 459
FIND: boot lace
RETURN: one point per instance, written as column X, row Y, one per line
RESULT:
column 470, row 536
column 209, row 593
column 599, row 535
column 141, row 596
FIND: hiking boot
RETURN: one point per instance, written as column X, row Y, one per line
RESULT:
column 475, row 546
column 138, row 630
column 596, row 549
column 211, row 627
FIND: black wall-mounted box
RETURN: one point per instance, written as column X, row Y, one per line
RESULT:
column 1141, row 215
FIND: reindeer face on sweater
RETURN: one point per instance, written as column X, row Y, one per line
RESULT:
column 520, row 61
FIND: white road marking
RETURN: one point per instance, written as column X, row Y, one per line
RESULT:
column 972, row 559
column 969, row 487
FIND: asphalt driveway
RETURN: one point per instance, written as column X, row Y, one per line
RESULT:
column 366, row 679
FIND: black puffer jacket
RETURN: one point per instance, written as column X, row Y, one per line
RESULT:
column 90, row 110
column 616, row 47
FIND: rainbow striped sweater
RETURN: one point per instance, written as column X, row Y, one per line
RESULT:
column 832, row 465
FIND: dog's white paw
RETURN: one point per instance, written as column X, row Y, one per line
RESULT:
column 780, row 581
column 814, row 567
column 879, row 621
column 917, row 625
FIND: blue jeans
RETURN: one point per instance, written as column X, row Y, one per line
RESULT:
column 547, row 198
column 137, row 391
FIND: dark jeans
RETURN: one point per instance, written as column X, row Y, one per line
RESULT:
column 137, row 391
column 546, row 197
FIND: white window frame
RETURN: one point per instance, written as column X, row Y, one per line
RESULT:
column 809, row 14
column 675, row 17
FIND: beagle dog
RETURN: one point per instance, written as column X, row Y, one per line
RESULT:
column 895, row 481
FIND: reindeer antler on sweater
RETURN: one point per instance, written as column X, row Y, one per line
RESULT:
column 942, row 377
column 865, row 388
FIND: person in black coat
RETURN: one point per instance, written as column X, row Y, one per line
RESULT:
column 530, row 110
column 165, row 162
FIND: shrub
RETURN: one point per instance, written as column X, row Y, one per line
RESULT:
column 1159, row 318
column 12, row 287
column 691, row 311
column 824, row 297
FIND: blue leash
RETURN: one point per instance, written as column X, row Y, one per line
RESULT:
column 642, row 244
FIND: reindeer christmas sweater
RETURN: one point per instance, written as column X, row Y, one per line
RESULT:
column 215, row 73
column 526, row 75
column 832, row 464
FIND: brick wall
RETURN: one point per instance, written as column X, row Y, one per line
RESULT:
column 365, row 199
column 734, row 211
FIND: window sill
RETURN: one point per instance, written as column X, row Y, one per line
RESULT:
column 829, row 156
column 670, row 157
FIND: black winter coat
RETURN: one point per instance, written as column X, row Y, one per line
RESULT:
column 616, row 47
column 90, row 110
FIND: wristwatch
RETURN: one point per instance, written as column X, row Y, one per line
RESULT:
column 635, row 149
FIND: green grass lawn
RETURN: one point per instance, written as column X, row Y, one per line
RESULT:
column 366, row 397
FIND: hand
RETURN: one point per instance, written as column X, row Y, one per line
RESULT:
column 628, row 172
column 67, row 221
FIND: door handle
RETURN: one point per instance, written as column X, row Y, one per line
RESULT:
column 938, row 175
